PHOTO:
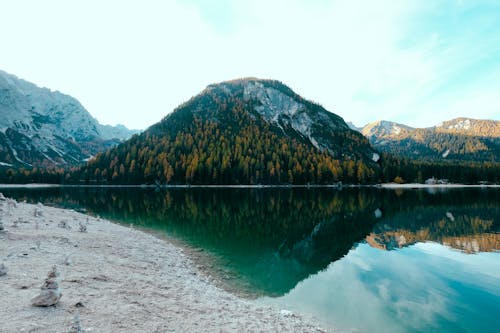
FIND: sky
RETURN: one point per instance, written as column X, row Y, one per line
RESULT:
column 132, row 62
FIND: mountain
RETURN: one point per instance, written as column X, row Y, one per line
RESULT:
column 471, row 127
column 385, row 130
column 120, row 132
column 460, row 139
column 353, row 127
column 246, row 131
column 45, row 128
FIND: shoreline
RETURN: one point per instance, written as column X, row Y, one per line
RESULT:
column 117, row 279
column 205, row 262
column 419, row 186
column 332, row 186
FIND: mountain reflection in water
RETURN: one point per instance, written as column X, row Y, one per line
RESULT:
column 271, row 239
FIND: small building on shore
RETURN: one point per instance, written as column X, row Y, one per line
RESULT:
column 431, row 181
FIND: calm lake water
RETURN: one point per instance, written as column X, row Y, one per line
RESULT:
column 370, row 260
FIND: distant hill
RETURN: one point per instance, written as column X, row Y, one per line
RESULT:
column 44, row 128
column 460, row 139
column 246, row 131
column 385, row 130
column 353, row 127
column 471, row 127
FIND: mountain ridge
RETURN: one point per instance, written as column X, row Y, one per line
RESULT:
column 41, row 127
column 461, row 139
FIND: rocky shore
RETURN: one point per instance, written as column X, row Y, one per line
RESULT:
column 112, row 279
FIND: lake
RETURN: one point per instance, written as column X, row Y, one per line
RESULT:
column 365, row 259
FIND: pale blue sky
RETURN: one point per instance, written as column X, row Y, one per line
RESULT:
column 132, row 62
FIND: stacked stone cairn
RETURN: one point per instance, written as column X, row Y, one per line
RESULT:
column 50, row 293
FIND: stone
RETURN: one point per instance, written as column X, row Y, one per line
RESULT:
column 47, row 297
column 50, row 294
column 53, row 272
column 76, row 327
column 68, row 261
column 83, row 227
column 3, row 270
column 64, row 225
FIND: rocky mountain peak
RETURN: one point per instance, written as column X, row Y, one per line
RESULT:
column 41, row 127
column 278, row 105
column 384, row 129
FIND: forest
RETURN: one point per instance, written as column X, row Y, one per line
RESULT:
column 301, row 167
column 218, row 139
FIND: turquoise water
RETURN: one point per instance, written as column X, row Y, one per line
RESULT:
column 422, row 288
column 370, row 260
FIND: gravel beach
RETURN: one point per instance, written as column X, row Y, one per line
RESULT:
column 114, row 279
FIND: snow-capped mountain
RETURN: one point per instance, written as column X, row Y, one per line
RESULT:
column 41, row 127
column 456, row 139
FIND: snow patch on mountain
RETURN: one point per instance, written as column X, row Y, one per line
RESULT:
column 461, row 125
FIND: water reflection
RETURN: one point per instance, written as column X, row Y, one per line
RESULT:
column 271, row 239
column 468, row 229
column 422, row 288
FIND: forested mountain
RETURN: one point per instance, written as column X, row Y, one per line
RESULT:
column 44, row 128
column 460, row 139
column 246, row 131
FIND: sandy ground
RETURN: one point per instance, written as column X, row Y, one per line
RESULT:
column 116, row 279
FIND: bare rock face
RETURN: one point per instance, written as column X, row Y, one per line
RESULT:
column 2, row 228
column 3, row 270
column 43, row 127
column 50, row 293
